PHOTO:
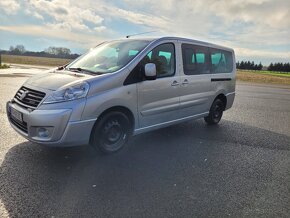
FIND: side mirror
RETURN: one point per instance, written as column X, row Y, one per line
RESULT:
column 150, row 71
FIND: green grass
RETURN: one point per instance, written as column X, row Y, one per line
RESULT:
column 273, row 73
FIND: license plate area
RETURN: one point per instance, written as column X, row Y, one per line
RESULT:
column 16, row 115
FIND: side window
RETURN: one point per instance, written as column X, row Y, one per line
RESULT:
column 200, row 58
column 221, row 61
column 163, row 56
column 195, row 59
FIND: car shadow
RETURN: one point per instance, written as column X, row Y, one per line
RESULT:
column 189, row 169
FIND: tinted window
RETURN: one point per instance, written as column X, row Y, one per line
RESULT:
column 221, row 61
column 195, row 59
column 163, row 56
column 200, row 58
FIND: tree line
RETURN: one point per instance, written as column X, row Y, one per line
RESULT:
column 54, row 52
column 251, row 65
column 279, row 67
column 248, row 65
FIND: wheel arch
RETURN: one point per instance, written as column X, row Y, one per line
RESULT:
column 121, row 109
column 223, row 98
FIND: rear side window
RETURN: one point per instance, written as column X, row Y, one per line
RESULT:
column 200, row 58
column 221, row 61
column 195, row 59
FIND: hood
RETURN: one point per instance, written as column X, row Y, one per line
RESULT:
column 56, row 79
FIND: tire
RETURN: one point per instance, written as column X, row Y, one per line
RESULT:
column 111, row 132
column 215, row 112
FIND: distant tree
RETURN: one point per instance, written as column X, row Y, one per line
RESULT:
column 242, row 65
column 271, row 66
column 286, row 67
column 249, row 65
column 58, row 51
column 281, row 67
column 252, row 66
column 64, row 51
column 20, row 49
column 277, row 66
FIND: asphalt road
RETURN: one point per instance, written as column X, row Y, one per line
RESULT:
column 240, row 168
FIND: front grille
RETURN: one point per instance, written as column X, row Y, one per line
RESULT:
column 20, row 125
column 28, row 98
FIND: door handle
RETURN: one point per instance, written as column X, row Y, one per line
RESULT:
column 185, row 82
column 175, row 83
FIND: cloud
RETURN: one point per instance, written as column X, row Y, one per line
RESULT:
column 100, row 28
column 272, row 14
column 251, row 27
column 138, row 18
column 34, row 14
column 245, row 52
column 9, row 6
column 64, row 14
column 87, row 40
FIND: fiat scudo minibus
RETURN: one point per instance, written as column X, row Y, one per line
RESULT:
column 122, row 88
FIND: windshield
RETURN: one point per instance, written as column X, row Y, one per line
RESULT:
column 109, row 57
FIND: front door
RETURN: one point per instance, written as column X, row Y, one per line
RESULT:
column 158, row 100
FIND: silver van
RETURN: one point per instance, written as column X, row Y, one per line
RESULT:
column 122, row 88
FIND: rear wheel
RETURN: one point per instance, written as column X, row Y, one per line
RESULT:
column 215, row 113
column 111, row 132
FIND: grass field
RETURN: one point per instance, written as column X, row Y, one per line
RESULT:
column 273, row 73
column 263, row 77
column 15, row 59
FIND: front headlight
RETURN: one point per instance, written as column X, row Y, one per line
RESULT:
column 70, row 93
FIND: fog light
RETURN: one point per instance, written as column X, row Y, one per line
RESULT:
column 42, row 132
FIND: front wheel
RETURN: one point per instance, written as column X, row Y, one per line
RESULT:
column 111, row 132
column 215, row 113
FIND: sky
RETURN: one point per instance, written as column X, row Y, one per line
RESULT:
column 257, row 30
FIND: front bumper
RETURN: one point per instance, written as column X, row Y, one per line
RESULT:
column 61, row 131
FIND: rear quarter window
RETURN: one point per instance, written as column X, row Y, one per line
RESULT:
column 220, row 61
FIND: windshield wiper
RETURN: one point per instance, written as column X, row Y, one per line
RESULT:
column 78, row 69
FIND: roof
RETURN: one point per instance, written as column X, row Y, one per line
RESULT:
column 186, row 40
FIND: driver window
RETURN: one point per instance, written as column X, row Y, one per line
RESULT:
column 163, row 56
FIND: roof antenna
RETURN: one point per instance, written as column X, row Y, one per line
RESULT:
column 141, row 33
